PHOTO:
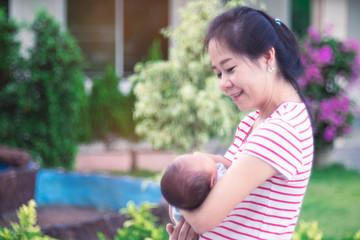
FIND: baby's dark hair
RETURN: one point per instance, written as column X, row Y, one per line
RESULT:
column 184, row 188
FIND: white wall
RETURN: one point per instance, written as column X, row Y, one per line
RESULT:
column 330, row 15
column 342, row 16
column 24, row 11
column 354, row 20
column 280, row 9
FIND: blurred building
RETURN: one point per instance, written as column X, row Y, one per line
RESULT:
column 120, row 32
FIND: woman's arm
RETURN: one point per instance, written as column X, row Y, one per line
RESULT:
column 242, row 177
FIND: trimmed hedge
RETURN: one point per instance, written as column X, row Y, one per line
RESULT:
column 43, row 94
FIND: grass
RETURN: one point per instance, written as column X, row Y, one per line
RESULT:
column 141, row 173
column 333, row 199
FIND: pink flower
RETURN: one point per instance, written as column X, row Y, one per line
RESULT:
column 355, row 70
column 322, row 79
column 329, row 133
column 314, row 35
column 302, row 81
column 351, row 45
column 334, row 110
column 337, row 120
column 343, row 104
column 303, row 59
column 325, row 108
column 329, row 29
column 347, row 130
column 324, row 55
column 312, row 73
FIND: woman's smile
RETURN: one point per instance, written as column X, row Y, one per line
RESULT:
column 236, row 96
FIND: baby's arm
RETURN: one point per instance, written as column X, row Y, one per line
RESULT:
column 174, row 214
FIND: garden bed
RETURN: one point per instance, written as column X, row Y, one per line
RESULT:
column 79, row 223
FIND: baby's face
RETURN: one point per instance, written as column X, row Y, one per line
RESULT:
column 199, row 163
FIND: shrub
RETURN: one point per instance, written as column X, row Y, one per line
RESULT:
column 111, row 111
column 83, row 121
column 357, row 235
column 142, row 224
column 330, row 68
column 26, row 229
column 9, row 55
column 154, row 52
column 54, row 94
column 307, row 231
column 12, row 75
column 47, row 97
column 179, row 105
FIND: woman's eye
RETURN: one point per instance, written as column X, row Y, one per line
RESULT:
column 230, row 69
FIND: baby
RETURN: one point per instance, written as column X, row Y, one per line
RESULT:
column 188, row 180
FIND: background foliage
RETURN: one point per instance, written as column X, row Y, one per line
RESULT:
column 11, row 70
column 331, row 67
column 110, row 110
column 46, row 94
column 141, row 224
column 26, row 229
column 43, row 104
column 179, row 105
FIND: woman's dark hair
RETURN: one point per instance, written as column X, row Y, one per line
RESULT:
column 184, row 189
column 252, row 33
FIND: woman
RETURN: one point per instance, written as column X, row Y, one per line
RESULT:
column 256, row 59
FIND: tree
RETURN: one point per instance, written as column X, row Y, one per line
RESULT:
column 179, row 105
column 46, row 97
column 55, row 90
column 111, row 110
column 12, row 75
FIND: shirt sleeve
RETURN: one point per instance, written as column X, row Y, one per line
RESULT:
column 241, row 132
column 278, row 144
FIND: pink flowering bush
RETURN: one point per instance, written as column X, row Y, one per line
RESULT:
column 331, row 67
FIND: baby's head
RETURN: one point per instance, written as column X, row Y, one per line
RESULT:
column 187, row 180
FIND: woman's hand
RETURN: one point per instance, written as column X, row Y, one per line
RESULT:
column 182, row 231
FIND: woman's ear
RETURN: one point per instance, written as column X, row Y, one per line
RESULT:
column 269, row 57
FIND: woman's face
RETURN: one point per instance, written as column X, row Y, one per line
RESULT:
column 239, row 77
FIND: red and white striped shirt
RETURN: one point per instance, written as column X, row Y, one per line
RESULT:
column 285, row 141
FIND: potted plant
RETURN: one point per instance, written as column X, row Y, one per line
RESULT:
column 331, row 68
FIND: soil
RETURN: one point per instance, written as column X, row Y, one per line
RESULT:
column 65, row 215
column 56, row 215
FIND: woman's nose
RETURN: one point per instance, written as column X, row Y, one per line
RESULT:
column 224, row 82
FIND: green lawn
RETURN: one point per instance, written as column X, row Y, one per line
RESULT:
column 141, row 173
column 333, row 199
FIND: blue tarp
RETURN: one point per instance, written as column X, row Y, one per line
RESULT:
column 3, row 167
column 92, row 190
